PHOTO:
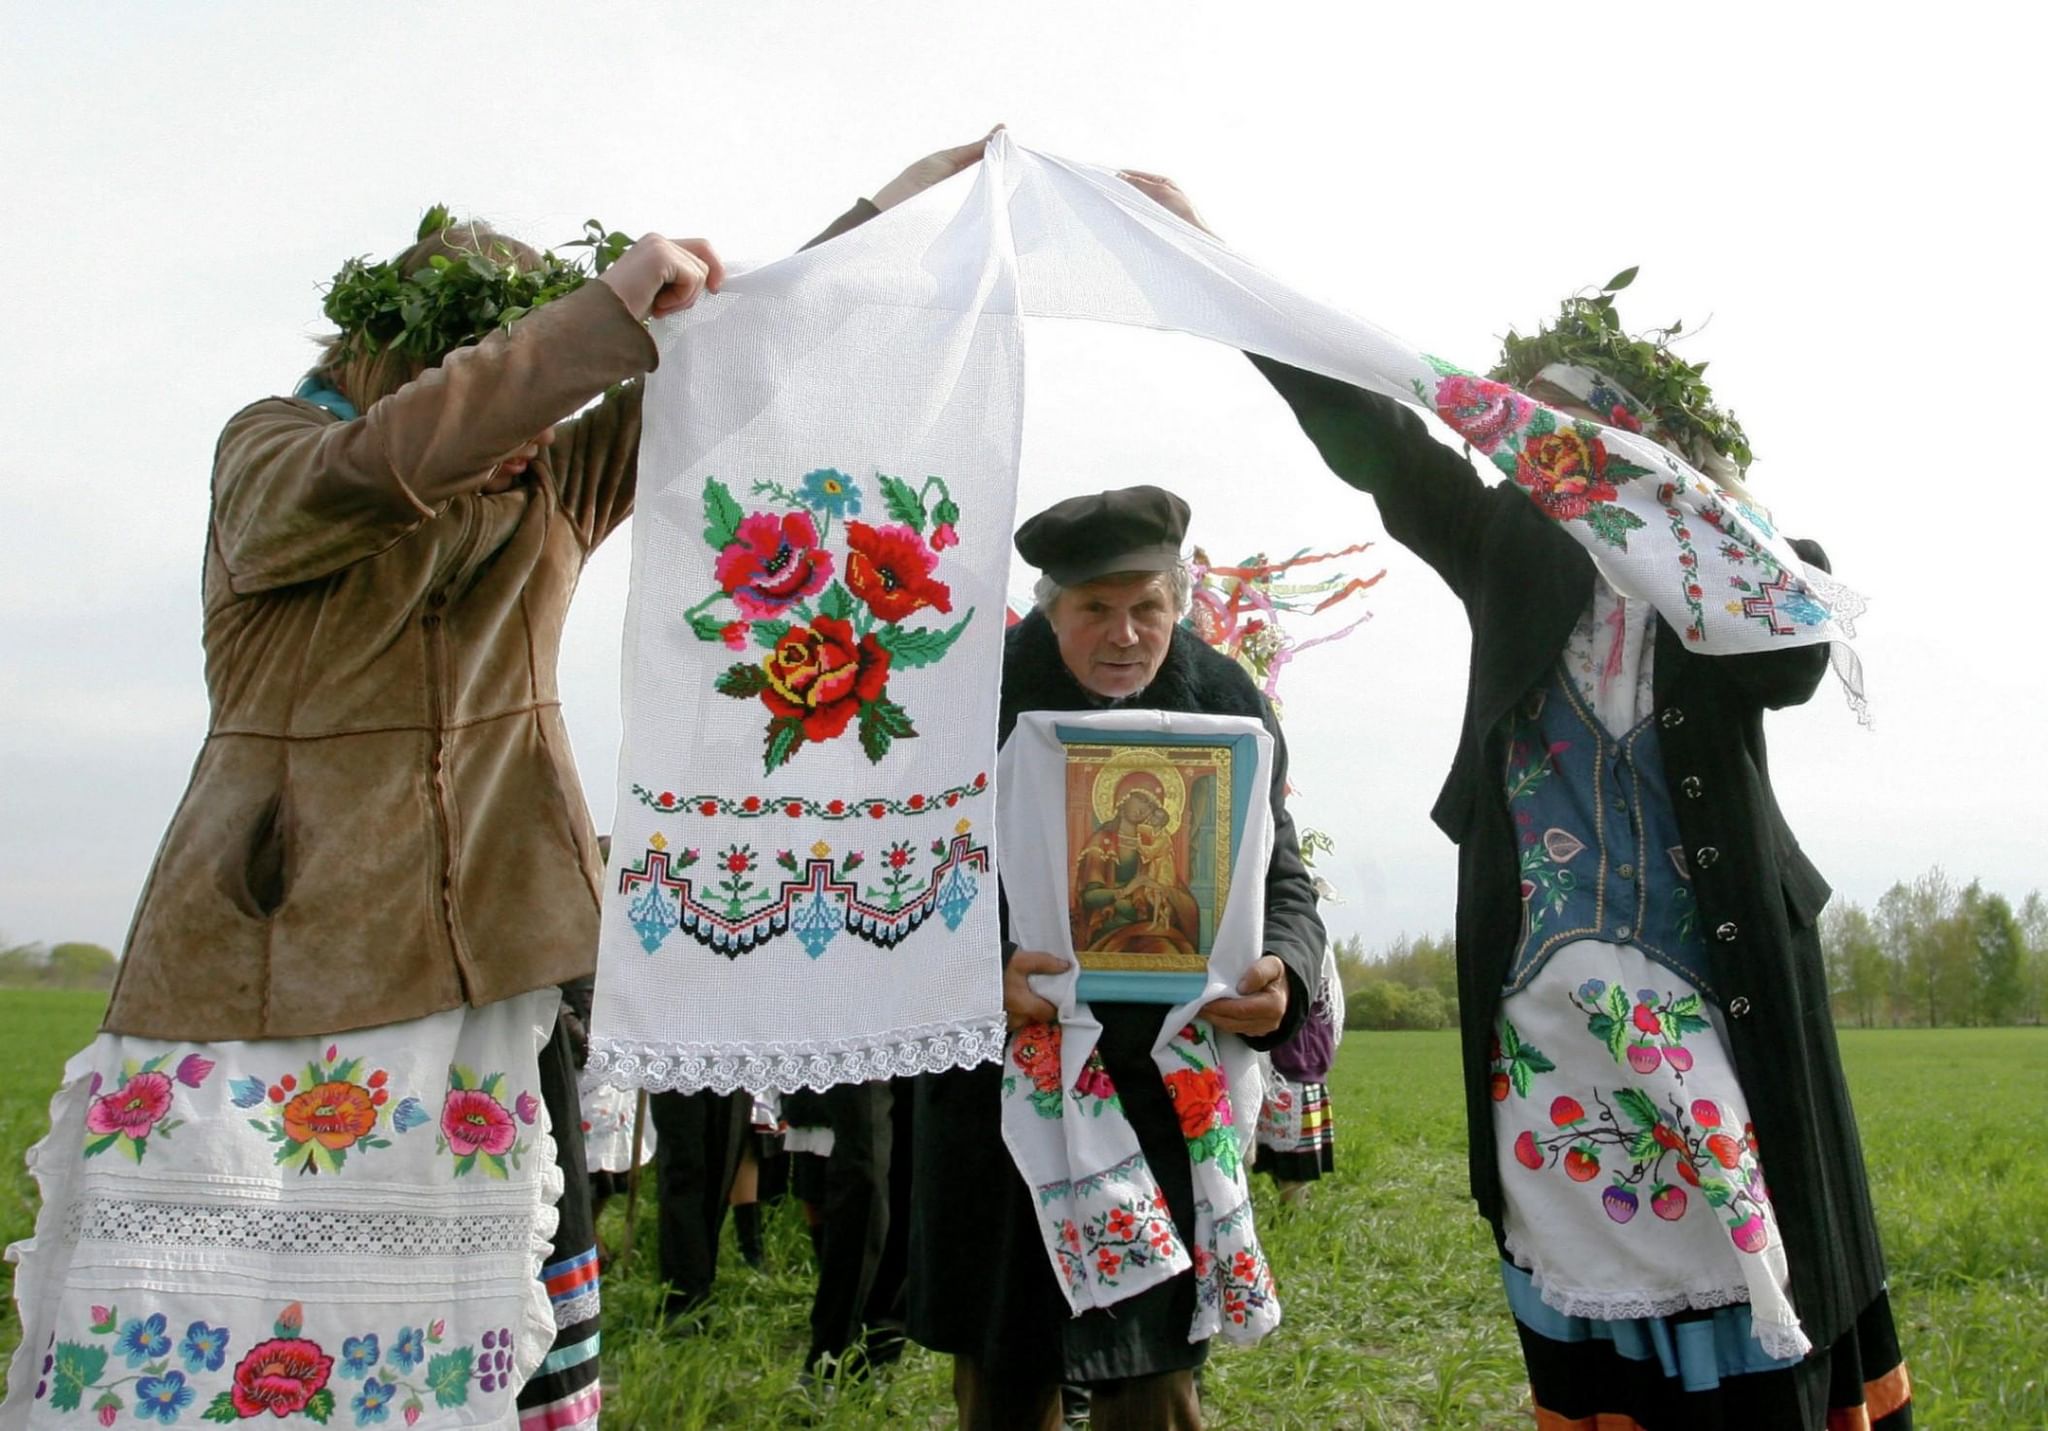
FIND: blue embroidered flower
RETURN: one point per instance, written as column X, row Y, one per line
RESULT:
column 373, row 1402
column 204, row 1348
column 141, row 1340
column 831, row 491
column 1593, row 990
column 358, row 1355
column 408, row 1114
column 1802, row 609
column 161, row 1398
column 247, row 1092
column 410, row 1349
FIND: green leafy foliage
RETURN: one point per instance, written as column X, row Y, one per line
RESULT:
column 721, row 514
column 742, row 680
column 221, row 1410
column 836, row 602
column 448, row 1376
column 320, row 1406
column 1588, row 332
column 1612, row 523
column 785, row 735
column 77, row 1367
column 453, row 301
column 902, row 501
column 908, row 649
column 882, row 723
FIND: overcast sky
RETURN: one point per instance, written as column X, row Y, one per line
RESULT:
column 1850, row 201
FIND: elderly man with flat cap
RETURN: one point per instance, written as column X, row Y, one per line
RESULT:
column 1106, row 633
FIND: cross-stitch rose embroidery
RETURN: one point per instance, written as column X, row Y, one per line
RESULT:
column 822, row 675
column 832, row 648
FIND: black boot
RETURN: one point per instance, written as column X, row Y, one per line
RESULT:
column 746, row 1225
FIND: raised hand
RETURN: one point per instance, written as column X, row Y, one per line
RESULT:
column 934, row 167
column 658, row 276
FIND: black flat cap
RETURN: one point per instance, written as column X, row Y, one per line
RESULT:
column 1082, row 538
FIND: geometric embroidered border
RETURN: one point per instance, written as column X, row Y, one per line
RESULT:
column 298, row 1232
column 817, row 907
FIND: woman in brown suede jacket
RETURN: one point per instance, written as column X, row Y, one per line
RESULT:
column 309, row 1166
column 306, row 1160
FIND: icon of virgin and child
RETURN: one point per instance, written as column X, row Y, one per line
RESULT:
column 1131, row 893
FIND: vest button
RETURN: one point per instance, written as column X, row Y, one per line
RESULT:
column 1726, row 931
column 429, row 622
column 437, row 600
column 1691, row 786
column 1622, row 931
column 1738, row 1007
column 1705, row 856
column 1627, row 871
column 1672, row 719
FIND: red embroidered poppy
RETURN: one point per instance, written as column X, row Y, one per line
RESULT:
column 822, row 674
column 890, row 569
column 772, row 562
column 1198, row 1097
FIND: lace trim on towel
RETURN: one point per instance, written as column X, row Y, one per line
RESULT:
column 297, row 1231
column 788, row 1067
column 1778, row 1341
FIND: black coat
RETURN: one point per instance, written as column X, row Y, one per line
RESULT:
column 1524, row 582
column 980, row 1281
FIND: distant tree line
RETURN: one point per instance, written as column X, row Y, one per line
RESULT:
column 1931, row 954
column 62, row 966
column 1928, row 954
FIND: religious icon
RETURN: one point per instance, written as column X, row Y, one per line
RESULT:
column 1153, row 823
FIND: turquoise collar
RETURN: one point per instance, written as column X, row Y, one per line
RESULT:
column 314, row 391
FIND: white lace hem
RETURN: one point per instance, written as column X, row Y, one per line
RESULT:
column 537, row 1320
column 787, row 1067
column 1779, row 1340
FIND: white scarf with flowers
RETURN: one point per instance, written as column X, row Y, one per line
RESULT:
column 1106, row 1227
column 800, row 884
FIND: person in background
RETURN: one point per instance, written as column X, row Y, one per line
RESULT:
column 1105, row 633
column 1297, row 1141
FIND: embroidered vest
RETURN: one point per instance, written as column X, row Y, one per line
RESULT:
column 1601, row 856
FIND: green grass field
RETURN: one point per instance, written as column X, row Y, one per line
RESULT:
column 1394, row 1312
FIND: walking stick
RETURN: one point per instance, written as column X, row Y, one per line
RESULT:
column 633, row 1174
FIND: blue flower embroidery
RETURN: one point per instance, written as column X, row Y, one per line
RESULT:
column 141, row 1340
column 410, row 1349
column 1803, row 609
column 408, row 1114
column 204, row 1348
column 247, row 1092
column 831, row 491
column 161, row 1398
column 373, row 1402
column 358, row 1355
